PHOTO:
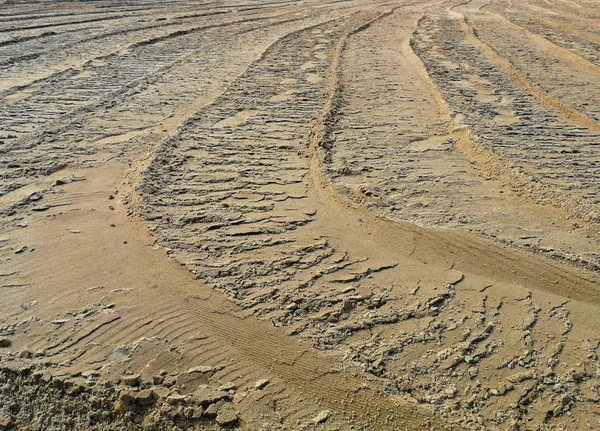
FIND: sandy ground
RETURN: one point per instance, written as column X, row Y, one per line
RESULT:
column 297, row 215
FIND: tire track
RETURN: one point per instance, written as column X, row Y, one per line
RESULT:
column 71, row 120
column 519, row 79
column 575, row 59
column 228, row 327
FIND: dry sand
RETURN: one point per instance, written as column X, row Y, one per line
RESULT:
column 297, row 215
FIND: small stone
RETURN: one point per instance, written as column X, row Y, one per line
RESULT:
column 577, row 377
column 60, row 321
column 322, row 417
column 21, row 250
column 5, row 342
column 211, row 411
column 201, row 369
column 145, row 397
column 73, row 389
column 566, row 400
column 229, row 386
column 226, row 416
column 177, row 398
column 261, row 383
column 25, row 354
column 125, row 403
column 27, row 305
column 131, row 380
column 90, row 373
column 450, row 392
column 206, row 395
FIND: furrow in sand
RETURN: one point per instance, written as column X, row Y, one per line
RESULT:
column 25, row 17
column 494, row 150
column 571, row 57
column 104, row 51
column 229, row 329
column 181, row 68
column 58, row 24
column 228, row 269
column 575, row 35
column 571, row 31
column 522, row 81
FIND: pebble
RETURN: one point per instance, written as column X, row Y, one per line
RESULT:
column 177, row 398
column 229, row 386
column 260, row 384
column 25, row 354
column 577, row 377
column 226, row 416
column 201, row 369
column 450, row 392
column 27, row 305
column 5, row 342
column 322, row 417
column 131, row 380
column 60, row 321
column 211, row 411
column 145, row 397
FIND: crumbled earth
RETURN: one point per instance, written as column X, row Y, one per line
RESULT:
column 33, row 399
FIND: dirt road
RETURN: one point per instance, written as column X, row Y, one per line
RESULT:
column 287, row 215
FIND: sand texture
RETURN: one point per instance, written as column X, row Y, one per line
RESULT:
column 299, row 215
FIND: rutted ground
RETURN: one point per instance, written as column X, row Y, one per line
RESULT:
column 394, row 147
column 243, row 216
column 277, row 151
column 507, row 116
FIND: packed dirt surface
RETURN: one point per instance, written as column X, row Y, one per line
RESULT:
column 299, row 215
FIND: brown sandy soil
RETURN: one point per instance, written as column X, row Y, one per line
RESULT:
column 283, row 215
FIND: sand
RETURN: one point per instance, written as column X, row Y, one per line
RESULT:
column 281, row 215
